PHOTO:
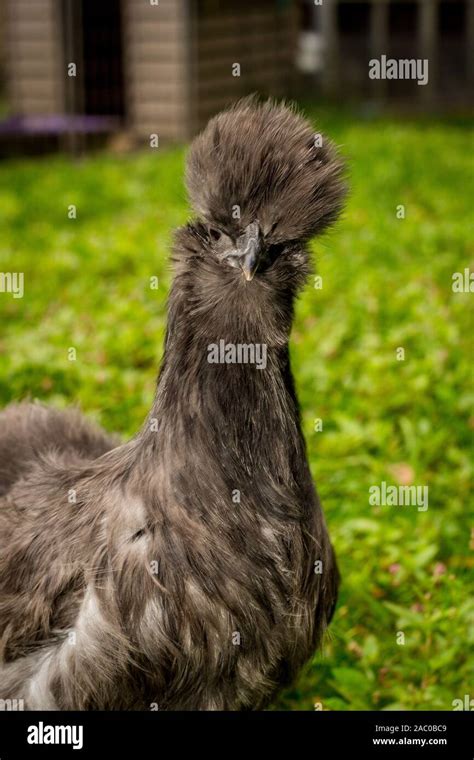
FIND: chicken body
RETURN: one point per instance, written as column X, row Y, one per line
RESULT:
column 189, row 568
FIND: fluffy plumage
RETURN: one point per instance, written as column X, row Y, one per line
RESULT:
column 179, row 568
column 267, row 160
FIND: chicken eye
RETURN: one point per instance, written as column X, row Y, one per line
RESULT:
column 274, row 251
column 214, row 233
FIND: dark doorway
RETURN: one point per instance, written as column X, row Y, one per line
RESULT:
column 92, row 39
column 102, row 57
column 353, row 21
column 403, row 35
column 452, row 24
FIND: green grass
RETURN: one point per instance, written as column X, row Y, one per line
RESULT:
column 386, row 284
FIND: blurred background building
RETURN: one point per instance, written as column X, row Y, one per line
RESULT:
column 75, row 68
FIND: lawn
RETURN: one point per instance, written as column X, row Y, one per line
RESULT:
column 400, row 637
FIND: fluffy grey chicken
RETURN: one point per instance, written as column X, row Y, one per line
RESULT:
column 189, row 568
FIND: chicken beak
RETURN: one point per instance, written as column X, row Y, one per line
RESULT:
column 249, row 246
column 249, row 265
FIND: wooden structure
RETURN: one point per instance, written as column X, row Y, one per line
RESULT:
column 260, row 37
column 355, row 32
column 164, row 66
column 158, row 66
column 33, row 57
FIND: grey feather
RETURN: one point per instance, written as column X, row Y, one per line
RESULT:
column 178, row 569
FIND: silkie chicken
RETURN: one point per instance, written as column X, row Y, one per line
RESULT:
column 190, row 568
